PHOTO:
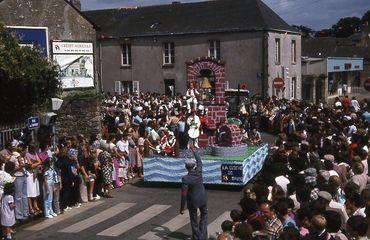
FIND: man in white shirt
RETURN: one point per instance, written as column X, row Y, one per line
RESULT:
column 193, row 122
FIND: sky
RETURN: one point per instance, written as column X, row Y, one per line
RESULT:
column 316, row 14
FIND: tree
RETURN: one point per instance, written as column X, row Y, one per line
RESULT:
column 324, row 33
column 345, row 27
column 366, row 17
column 27, row 80
column 305, row 31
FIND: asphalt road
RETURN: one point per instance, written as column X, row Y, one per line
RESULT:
column 138, row 211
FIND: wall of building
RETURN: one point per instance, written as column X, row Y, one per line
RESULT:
column 61, row 19
column 275, row 69
column 79, row 116
column 241, row 52
column 64, row 23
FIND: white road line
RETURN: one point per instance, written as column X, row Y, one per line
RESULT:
column 49, row 222
column 215, row 226
column 98, row 218
column 171, row 226
column 134, row 221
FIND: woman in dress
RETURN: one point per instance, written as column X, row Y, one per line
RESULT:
column 33, row 188
column 105, row 160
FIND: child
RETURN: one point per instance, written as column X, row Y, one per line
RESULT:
column 48, row 189
column 7, row 210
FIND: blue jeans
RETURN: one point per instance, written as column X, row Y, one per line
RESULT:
column 20, row 198
column 48, row 201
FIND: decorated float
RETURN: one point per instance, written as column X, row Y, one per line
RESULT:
column 225, row 159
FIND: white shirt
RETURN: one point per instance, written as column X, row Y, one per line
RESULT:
column 122, row 145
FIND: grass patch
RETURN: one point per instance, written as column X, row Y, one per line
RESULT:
column 249, row 152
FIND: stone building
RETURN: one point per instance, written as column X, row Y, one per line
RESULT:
column 147, row 48
column 62, row 21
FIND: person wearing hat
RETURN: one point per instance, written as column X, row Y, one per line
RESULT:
column 191, row 95
column 193, row 194
column 331, row 205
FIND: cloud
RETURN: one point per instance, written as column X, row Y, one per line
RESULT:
column 316, row 14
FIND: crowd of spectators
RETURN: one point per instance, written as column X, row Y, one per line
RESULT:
column 316, row 186
column 315, row 183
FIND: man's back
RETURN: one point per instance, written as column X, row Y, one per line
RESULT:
column 196, row 193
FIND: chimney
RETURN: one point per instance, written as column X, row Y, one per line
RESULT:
column 76, row 3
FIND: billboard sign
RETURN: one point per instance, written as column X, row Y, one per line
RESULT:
column 76, row 63
column 32, row 37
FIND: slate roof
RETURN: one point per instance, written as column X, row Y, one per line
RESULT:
column 188, row 18
column 332, row 47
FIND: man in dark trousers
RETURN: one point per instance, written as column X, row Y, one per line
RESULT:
column 194, row 194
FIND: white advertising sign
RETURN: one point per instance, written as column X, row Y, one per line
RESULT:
column 76, row 63
column 72, row 48
column 77, row 71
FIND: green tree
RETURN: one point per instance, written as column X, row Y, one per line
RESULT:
column 366, row 17
column 305, row 31
column 27, row 80
column 345, row 27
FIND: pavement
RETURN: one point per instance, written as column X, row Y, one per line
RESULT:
column 140, row 210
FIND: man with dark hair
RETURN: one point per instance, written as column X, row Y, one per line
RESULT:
column 334, row 224
column 249, row 214
column 273, row 225
column 357, row 227
column 194, row 195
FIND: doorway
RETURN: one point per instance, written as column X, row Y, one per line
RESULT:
column 169, row 87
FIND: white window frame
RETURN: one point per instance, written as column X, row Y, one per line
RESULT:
column 294, row 51
column 126, row 55
column 277, row 50
column 168, row 53
column 214, row 49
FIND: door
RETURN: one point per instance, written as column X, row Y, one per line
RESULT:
column 127, row 86
column 169, row 87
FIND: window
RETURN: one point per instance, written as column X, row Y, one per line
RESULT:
column 294, row 56
column 214, row 49
column 126, row 55
column 169, row 53
column 277, row 51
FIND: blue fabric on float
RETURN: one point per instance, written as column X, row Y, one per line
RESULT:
column 169, row 169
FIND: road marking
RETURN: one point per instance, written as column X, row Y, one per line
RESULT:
column 134, row 221
column 171, row 226
column 49, row 222
column 215, row 226
column 98, row 218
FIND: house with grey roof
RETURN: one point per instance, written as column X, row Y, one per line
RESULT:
column 147, row 48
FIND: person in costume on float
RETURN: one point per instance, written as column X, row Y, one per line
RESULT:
column 191, row 96
column 169, row 147
column 194, row 123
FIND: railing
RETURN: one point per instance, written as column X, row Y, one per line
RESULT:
column 7, row 132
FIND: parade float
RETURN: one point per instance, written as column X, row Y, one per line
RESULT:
column 225, row 159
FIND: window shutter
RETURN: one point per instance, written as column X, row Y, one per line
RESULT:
column 136, row 86
column 118, row 87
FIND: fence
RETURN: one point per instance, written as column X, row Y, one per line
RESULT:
column 7, row 132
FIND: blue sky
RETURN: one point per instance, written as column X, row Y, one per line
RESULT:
column 316, row 14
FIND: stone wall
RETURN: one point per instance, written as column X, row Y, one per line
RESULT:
column 79, row 116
